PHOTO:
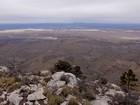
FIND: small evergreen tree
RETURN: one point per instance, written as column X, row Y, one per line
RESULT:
column 77, row 70
column 63, row 66
column 67, row 67
column 128, row 79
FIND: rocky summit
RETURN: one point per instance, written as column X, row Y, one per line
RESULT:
column 59, row 88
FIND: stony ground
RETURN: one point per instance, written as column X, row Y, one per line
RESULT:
column 60, row 88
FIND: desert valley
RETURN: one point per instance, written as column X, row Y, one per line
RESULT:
column 99, row 53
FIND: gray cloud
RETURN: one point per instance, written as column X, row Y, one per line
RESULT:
column 69, row 11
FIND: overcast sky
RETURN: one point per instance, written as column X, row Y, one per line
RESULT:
column 38, row 11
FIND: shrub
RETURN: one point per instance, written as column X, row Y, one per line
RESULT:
column 7, row 82
column 1, row 74
column 10, row 81
column 77, row 70
column 25, row 81
column 86, row 90
column 15, row 86
column 86, row 102
column 128, row 79
column 103, row 81
column 2, row 83
column 63, row 66
column 73, row 101
column 66, row 91
column 46, row 90
column 66, row 67
column 75, row 91
column 89, row 95
column 54, row 99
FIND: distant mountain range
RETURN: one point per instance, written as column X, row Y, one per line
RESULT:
column 105, row 26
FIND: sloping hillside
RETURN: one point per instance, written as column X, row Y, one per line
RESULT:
column 59, row 88
column 97, row 52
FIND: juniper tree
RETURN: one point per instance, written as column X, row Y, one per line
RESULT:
column 77, row 70
column 63, row 66
column 128, row 79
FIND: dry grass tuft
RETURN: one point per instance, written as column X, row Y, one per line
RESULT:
column 73, row 101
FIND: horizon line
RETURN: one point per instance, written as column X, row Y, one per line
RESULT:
column 72, row 23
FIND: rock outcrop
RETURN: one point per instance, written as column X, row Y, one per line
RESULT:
column 45, row 88
column 61, row 78
column 4, row 69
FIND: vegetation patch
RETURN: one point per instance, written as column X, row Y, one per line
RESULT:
column 86, row 102
column 73, row 101
column 54, row 99
column 15, row 86
column 46, row 90
column 66, row 91
column 66, row 67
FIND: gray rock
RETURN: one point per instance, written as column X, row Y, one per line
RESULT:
column 37, row 95
column 14, row 97
column 4, row 69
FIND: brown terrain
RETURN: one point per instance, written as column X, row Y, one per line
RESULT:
column 105, row 53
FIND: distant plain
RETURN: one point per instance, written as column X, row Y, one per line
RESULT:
column 98, row 52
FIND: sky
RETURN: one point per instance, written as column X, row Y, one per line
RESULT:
column 63, row 11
